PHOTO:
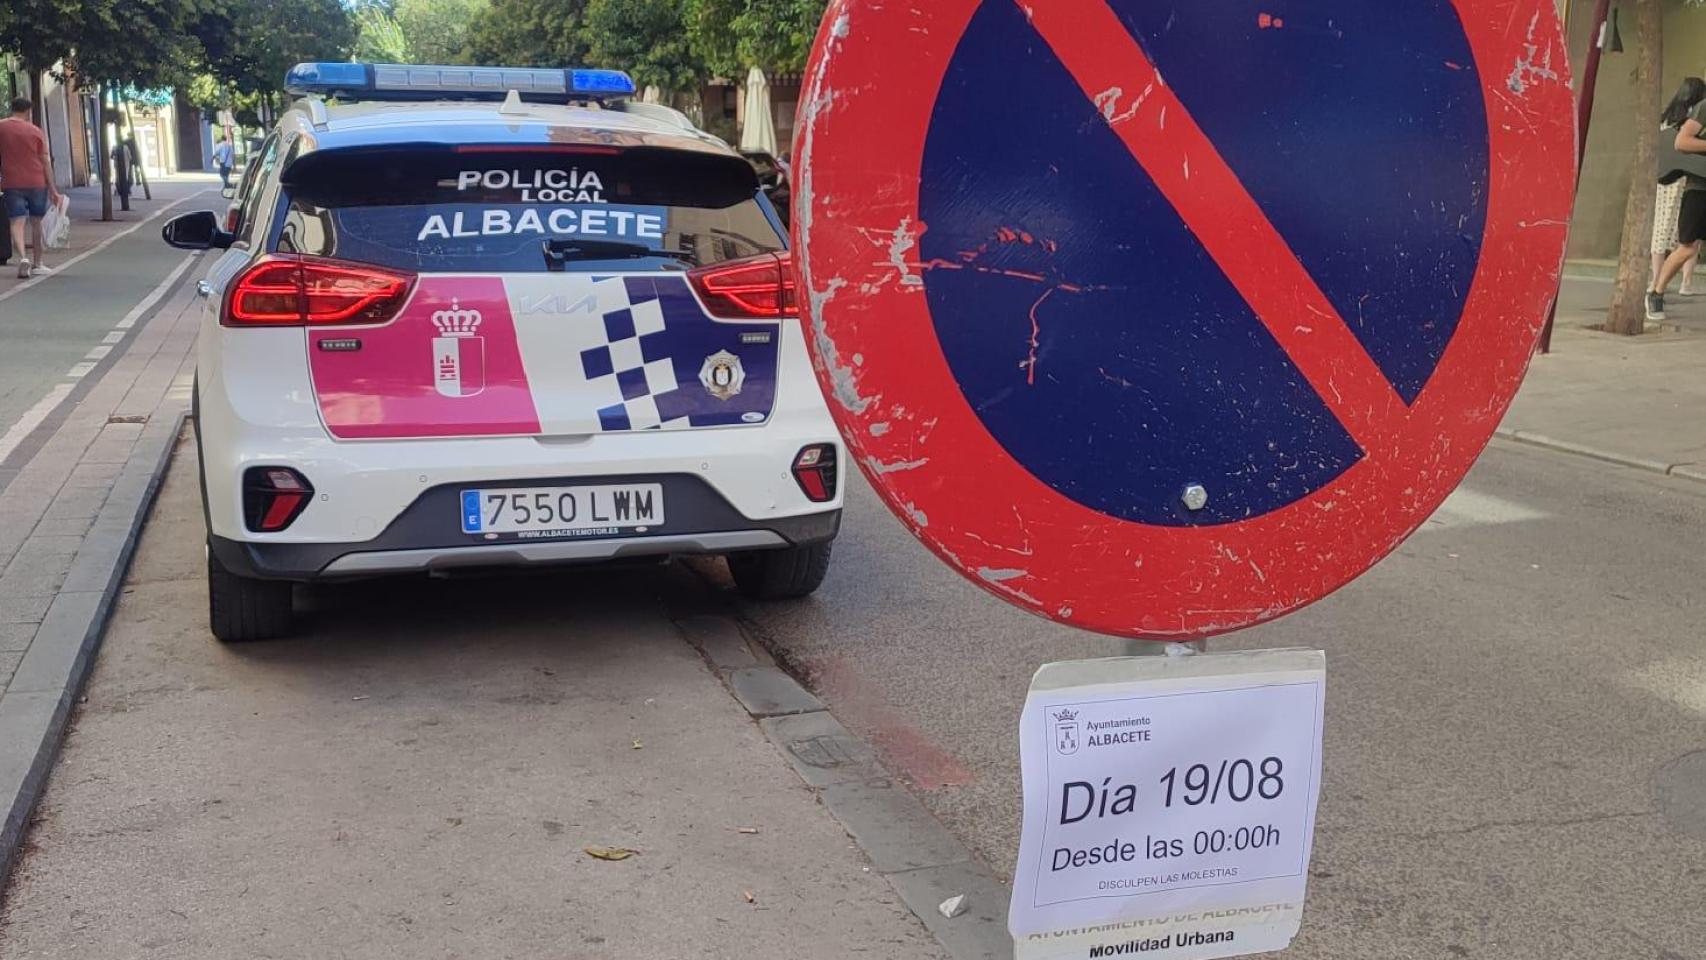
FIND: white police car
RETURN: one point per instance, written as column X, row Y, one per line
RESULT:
column 475, row 317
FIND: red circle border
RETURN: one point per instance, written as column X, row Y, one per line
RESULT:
column 866, row 103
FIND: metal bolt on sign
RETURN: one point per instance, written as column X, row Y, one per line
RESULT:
column 1195, row 497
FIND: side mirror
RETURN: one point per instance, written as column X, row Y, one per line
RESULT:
column 196, row 231
column 229, row 193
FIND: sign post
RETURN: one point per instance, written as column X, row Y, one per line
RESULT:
column 1166, row 320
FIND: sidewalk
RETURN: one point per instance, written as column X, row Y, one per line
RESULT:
column 423, row 776
column 1637, row 401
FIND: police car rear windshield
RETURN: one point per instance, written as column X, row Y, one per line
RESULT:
column 527, row 209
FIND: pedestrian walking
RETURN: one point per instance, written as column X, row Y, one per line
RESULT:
column 26, row 185
column 223, row 155
column 122, row 176
column 1667, row 204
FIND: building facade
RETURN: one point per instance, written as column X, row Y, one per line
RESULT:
column 1608, row 169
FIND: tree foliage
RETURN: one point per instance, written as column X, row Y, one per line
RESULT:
column 731, row 36
column 647, row 38
column 437, row 30
column 544, row 33
column 378, row 38
column 673, row 44
column 777, row 35
column 37, row 30
column 143, row 43
column 250, row 44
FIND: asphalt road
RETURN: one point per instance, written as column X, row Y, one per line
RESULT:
column 1503, row 693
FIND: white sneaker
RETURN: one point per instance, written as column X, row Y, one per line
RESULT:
column 23, row 269
column 37, row 269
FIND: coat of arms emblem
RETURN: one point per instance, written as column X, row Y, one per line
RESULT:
column 1066, row 731
column 458, row 352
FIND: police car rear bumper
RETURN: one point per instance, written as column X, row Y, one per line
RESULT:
column 426, row 538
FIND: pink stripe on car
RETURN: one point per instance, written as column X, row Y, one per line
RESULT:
column 447, row 366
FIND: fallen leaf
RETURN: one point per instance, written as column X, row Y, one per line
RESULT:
column 639, row 744
column 610, row 853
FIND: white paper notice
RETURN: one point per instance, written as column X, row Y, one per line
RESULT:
column 1169, row 805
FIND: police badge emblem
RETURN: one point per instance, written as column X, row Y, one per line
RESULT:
column 722, row 375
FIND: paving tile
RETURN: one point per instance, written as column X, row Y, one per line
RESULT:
column 40, row 546
column 720, row 639
column 892, row 827
column 24, row 609
column 87, row 474
column 34, row 575
column 51, row 660
column 16, row 637
column 821, row 750
column 8, row 665
column 64, row 527
column 768, row 692
column 980, row 932
column 76, row 502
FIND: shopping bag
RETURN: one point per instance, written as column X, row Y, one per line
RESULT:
column 56, row 226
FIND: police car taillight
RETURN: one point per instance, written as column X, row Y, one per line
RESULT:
column 273, row 497
column 814, row 471
column 294, row 291
column 752, row 288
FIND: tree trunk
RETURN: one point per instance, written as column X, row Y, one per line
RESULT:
column 35, row 71
column 103, row 162
column 1634, row 264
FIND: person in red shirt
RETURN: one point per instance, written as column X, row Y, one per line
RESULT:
column 26, row 179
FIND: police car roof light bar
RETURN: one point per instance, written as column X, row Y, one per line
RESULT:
column 392, row 81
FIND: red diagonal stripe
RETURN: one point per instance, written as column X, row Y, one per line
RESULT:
column 1120, row 79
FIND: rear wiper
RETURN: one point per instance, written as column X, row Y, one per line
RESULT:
column 559, row 252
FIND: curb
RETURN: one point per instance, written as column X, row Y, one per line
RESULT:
column 922, row 861
column 37, row 705
column 1688, row 471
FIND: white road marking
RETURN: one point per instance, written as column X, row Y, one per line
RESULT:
column 114, row 337
column 98, row 352
column 129, row 319
column 32, row 418
column 79, row 370
column 97, row 248
column 1468, row 508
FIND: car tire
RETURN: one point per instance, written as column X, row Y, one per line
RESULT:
column 242, row 609
column 785, row 574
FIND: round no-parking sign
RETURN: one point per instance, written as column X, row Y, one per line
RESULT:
column 1165, row 319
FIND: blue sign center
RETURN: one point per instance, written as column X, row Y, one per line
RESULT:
column 1097, row 340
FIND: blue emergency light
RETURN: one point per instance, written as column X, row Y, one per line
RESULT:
column 394, row 81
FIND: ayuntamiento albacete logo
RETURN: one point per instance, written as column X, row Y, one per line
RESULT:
column 1066, row 731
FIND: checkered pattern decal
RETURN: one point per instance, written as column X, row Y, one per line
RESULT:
column 654, row 340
